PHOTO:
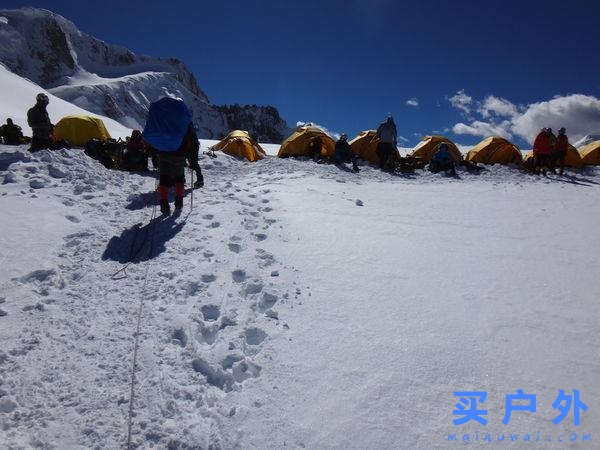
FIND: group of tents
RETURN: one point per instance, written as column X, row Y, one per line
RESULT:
column 492, row 150
column 79, row 130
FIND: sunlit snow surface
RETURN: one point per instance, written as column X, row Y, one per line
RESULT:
column 278, row 312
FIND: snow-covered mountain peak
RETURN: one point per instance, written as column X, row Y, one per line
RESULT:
column 111, row 80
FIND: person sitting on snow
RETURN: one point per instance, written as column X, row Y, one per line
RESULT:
column 135, row 156
column 344, row 154
column 442, row 161
column 39, row 121
column 388, row 135
column 11, row 133
column 315, row 148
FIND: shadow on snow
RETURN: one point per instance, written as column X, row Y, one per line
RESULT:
column 142, row 243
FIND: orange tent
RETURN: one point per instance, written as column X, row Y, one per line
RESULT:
column 495, row 150
column 572, row 158
column 590, row 154
column 239, row 143
column 365, row 146
column 429, row 145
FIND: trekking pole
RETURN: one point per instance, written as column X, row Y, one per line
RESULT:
column 192, row 197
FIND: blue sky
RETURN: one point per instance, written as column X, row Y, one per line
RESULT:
column 346, row 64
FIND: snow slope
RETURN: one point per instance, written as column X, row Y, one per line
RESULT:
column 296, row 305
column 128, row 98
column 17, row 95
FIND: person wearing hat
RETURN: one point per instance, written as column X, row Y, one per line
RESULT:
column 39, row 121
column 560, row 150
column 344, row 154
column 11, row 133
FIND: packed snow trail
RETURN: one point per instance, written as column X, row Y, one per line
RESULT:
column 297, row 305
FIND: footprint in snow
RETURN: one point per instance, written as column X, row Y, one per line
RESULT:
column 235, row 248
column 214, row 225
column 208, row 278
column 239, row 275
column 73, row 219
column 210, row 312
column 254, row 336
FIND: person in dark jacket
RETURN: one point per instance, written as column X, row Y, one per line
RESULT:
column 560, row 151
column 388, row 135
column 39, row 121
column 344, row 154
column 442, row 161
column 135, row 156
column 315, row 148
column 11, row 133
column 192, row 157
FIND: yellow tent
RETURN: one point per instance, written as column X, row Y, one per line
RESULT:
column 297, row 143
column 429, row 145
column 365, row 146
column 495, row 150
column 590, row 154
column 239, row 143
column 78, row 130
column 572, row 158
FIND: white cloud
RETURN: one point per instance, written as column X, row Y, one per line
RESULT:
column 412, row 102
column 496, row 106
column 461, row 100
column 402, row 138
column 579, row 114
column 479, row 128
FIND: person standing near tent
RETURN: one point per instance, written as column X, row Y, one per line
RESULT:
column 11, row 133
column 542, row 149
column 170, row 134
column 560, row 151
column 39, row 121
column 344, row 154
column 388, row 135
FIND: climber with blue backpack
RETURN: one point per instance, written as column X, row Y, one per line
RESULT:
column 171, row 136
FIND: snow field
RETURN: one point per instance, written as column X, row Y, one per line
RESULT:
column 296, row 305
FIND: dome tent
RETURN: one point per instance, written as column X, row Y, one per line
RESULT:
column 239, row 143
column 572, row 158
column 297, row 143
column 590, row 154
column 429, row 145
column 167, row 124
column 364, row 146
column 78, row 130
column 495, row 150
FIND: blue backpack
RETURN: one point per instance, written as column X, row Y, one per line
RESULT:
column 167, row 123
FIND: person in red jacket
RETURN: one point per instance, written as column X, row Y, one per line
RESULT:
column 560, row 150
column 542, row 150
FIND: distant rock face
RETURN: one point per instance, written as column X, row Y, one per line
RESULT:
column 257, row 120
column 113, row 81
